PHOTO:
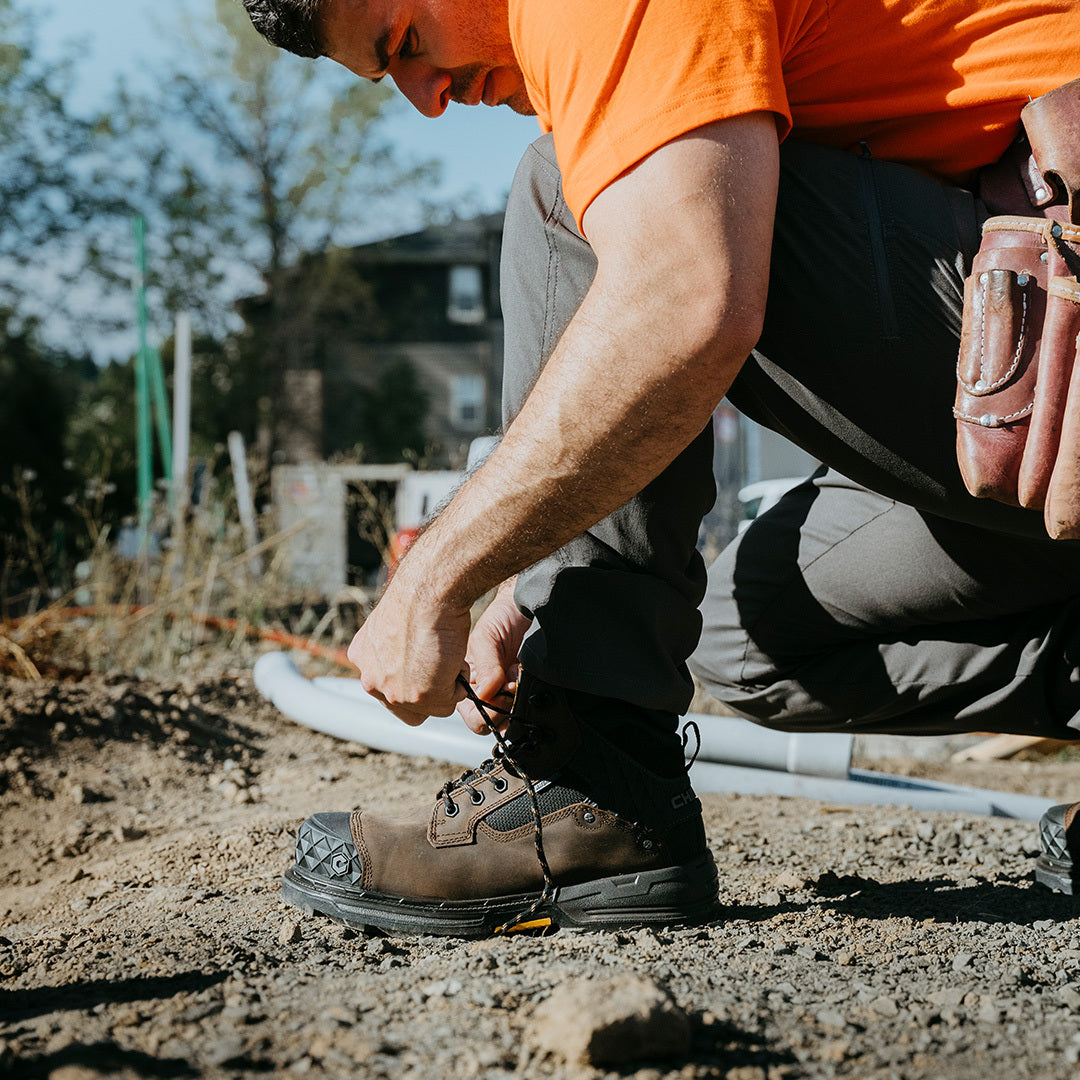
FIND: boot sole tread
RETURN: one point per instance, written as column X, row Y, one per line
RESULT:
column 677, row 895
column 1055, row 867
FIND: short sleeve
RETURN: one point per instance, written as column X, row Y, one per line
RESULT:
column 617, row 79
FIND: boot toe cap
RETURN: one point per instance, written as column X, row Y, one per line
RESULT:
column 325, row 849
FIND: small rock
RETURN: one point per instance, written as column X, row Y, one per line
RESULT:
column 442, row 988
column 223, row 1050
column 950, row 996
column 609, row 1022
column 962, row 960
column 832, row 1019
column 1067, row 995
column 290, row 932
column 885, row 1006
column 789, row 881
column 838, row 1050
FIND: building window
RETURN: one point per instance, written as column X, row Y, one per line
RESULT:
column 467, row 402
column 466, row 301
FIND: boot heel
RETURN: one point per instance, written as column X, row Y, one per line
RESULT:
column 683, row 895
column 1056, row 867
column 1057, row 874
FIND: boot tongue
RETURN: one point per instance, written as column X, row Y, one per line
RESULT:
column 542, row 734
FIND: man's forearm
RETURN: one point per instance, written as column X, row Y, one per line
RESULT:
column 673, row 311
column 619, row 399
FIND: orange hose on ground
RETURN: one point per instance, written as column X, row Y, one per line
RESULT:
column 278, row 637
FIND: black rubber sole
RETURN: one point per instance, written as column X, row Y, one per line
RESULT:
column 1057, row 874
column 676, row 896
column 1055, row 867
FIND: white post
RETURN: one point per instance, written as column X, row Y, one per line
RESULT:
column 181, row 491
column 245, row 503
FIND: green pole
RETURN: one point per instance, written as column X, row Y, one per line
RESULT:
column 161, row 415
column 142, row 388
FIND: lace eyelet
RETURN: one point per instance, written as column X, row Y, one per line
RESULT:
column 476, row 798
column 450, row 812
column 499, row 783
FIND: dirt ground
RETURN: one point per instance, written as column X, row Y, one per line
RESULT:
column 144, row 827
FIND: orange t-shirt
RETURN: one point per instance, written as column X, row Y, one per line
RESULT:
column 937, row 84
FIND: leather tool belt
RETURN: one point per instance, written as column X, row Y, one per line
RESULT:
column 1017, row 402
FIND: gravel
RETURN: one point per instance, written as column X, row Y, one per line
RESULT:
column 144, row 827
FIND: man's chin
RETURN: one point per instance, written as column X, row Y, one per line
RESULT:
column 520, row 103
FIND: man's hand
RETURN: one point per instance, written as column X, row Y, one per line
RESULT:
column 493, row 656
column 411, row 650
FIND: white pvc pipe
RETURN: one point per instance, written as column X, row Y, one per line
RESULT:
column 181, row 429
column 244, row 501
column 865, row 787
column 363, row 719
column 341, row 707
column 181, row 432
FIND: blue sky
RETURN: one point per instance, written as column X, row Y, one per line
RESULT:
column 479, row 147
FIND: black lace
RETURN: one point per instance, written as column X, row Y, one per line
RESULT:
column 689, row 726
column 465, row 781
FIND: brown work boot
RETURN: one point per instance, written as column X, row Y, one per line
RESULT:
column 1058, row 867
column 623, row 845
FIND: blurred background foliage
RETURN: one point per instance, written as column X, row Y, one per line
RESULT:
column 242, row 160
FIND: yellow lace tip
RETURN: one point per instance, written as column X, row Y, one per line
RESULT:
column 529, row 924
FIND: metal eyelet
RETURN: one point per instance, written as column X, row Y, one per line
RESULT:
column 448, row 812
column 476, row 798
column 588, row 816
column 499, row 783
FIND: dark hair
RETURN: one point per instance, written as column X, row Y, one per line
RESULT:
column 289, row 24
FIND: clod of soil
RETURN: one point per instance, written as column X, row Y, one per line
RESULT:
column 611, row 1021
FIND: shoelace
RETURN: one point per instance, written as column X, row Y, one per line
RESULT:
column 538, row 828
column 691, row 725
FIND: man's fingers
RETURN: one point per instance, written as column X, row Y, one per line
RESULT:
column 415, row 713
column 501, row 699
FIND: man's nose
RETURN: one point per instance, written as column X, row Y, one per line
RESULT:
column 426, row 87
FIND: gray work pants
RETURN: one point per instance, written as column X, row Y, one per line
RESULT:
column 879, row 595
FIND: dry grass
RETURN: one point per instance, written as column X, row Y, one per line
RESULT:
column 172, row 610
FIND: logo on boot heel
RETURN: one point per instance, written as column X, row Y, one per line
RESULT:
column 685, row 799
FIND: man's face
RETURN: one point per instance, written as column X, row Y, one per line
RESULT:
column 436, row 51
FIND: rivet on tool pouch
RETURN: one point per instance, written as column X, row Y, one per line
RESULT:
column 1017, row 402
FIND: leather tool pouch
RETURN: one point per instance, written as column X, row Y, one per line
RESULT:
column 1017, row 402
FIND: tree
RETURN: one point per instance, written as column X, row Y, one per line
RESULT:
column 392, row 414
column 46, row 196
column 38, row 479
column 248, row 159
